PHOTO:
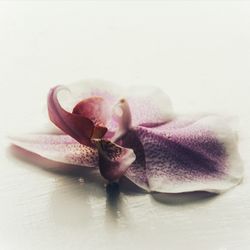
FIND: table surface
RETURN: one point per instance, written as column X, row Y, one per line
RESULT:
column 198, row 52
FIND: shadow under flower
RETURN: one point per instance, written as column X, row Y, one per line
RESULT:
column 113, row 203
column 181, row 199
column 113, row 191
column 74, row 181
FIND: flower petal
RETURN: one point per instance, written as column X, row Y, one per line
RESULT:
column 60, row 148
column 137, row 171
column 114, row 160
column 97, row 110
column 149, row 106
column 189, row 155
column 77, row 126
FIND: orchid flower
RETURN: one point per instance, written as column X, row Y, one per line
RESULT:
column 136, row 135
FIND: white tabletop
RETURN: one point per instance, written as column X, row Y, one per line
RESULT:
column 198, row 52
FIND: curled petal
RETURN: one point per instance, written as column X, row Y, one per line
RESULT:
column 59, row 148
column 77, row 126
column 114, row 160
column 189, row 155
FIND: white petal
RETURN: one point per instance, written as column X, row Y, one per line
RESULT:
column 60, row 148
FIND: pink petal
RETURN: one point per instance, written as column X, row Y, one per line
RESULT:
column 148, row 106
column 114, row 160
column 94, row 108
column 60, row 148
column 77, row 126
column 188, row 155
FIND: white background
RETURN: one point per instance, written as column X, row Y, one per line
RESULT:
column 198, row 52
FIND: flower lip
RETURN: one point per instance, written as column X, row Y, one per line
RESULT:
column 114, row 160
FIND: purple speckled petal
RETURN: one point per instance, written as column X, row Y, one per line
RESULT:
column 114, row 160
column 137, row 171
column 187, row 155
column 60, row 148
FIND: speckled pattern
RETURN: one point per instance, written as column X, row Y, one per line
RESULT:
column 114, row 160
column 181, row 157
column 196, row 51
column 185, row 154
column 61, row 148
column 111, row 150
column 167, row 153
column 137, row 170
